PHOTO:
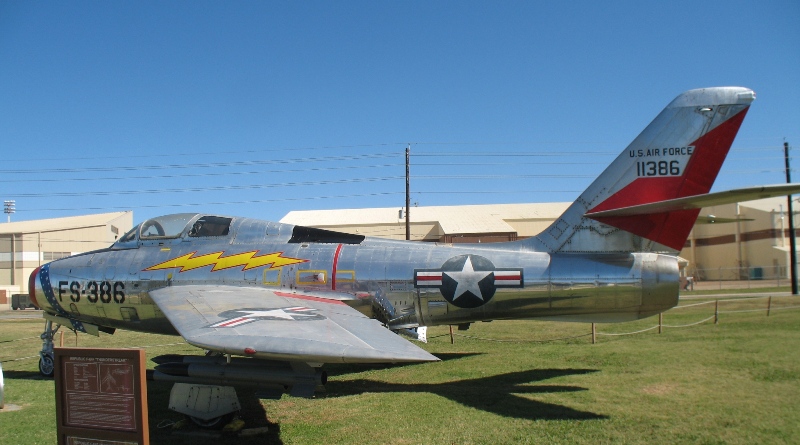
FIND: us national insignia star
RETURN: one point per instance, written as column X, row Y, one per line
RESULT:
column 468, row 281
column 238, row 317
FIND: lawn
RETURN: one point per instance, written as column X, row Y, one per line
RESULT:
column 733, row 382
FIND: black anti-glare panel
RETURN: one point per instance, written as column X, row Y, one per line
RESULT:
column 302, row 234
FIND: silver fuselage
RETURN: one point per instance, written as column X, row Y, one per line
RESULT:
column 381, row 278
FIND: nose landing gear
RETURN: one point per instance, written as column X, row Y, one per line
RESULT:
column 46, row 363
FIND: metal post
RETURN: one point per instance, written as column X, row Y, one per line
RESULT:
column 660, row 321
column 716, row 312
column 2, row 396
column 792, row 239
column 452, row 338
column 769, row 305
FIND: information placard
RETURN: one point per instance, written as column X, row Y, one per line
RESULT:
column 101, row 396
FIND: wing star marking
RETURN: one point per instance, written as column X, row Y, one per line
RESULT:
column 245, row 316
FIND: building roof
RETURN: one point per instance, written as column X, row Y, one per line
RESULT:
column 66, row 223
column 491, row 218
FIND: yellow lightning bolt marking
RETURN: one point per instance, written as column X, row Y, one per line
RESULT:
column 247, row 260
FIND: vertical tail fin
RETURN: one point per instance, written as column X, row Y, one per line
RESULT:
column 679, row 154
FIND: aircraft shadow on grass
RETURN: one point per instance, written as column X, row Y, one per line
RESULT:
column 506, row 394
column 24, row 375
column 501, row 394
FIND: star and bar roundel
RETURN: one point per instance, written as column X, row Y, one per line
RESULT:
column 238, row 317
column 468, row 281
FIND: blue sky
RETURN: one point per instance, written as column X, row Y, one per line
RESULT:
column 260, row 108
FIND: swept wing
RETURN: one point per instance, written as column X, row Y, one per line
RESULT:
column 270, row 324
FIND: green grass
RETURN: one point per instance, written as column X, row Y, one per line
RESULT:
column 734, row 382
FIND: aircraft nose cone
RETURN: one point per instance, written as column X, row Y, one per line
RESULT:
column 32, row 282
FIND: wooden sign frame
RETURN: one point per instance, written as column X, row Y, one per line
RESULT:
column 101, row 396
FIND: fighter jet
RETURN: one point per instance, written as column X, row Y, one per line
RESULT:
column 275, row 302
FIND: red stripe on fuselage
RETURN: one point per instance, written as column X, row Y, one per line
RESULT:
column 308, row 297
column 335, row 265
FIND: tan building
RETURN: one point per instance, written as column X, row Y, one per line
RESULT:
column 26, row 245
column 755, row 247
column 450, row 224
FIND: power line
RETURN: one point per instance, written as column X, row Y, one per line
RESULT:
column 200, row 175
column 254, row 201
column 203, row 189
column 218, row 152
column 202, row 165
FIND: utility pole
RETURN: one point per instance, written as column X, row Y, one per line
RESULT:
column 408, row 194
column 792, row 238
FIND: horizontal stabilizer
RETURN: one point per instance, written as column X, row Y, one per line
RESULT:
column 700, row 201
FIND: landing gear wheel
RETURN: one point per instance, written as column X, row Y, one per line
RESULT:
column 215, row 423
column 46, row 362
column 46, row 365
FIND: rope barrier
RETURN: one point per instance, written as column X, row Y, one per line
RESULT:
column 628, row 333
column 692, row 305
column 21, row 358
column 157, row 346
column 528, row 341
column 784, row 307
column 129, row 347
column 520, row 341
column 687, row 325
column 20, row 339
column 716, row 315
column 742, row 310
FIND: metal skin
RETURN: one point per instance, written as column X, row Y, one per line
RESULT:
column 608, row 269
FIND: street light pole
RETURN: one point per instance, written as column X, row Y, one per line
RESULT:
column 9, row 207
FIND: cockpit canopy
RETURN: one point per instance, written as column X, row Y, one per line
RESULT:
column 173, row 226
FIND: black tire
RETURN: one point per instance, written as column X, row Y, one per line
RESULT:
column 213, row 424
column 46, row 365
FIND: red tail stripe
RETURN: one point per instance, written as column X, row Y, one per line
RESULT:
column 701, row 171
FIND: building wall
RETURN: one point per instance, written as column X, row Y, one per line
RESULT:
column 754, row 248
column 32, row 249
column 730, row 250
column 527, row 228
